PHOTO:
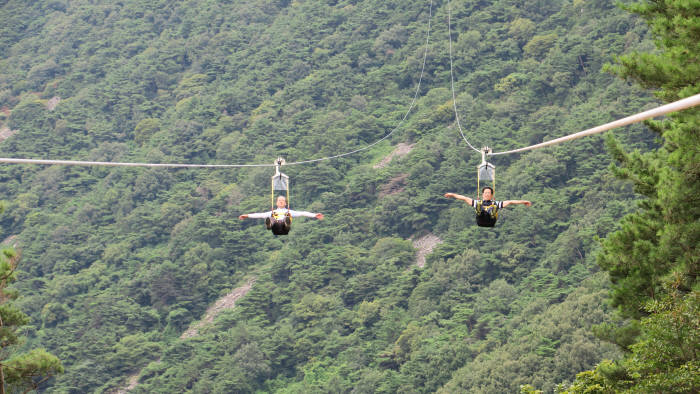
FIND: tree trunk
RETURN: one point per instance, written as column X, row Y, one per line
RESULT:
column 2, row 379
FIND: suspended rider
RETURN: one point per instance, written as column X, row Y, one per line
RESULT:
column 487, row 209
column 279, row 220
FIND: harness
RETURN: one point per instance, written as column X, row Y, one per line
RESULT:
column 279, row 222
column 285, row 217
column 486, row 214
column 281, row 216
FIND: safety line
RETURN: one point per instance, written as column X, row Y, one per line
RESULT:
column 452, row 78
column 410, row 107
column 119, row 164
column 175, row 165
column 679, row 105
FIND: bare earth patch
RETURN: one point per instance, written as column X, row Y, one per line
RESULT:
column 395, row 185
column 226, row 302
column 402, row 149
column 131, row 384
column 11, row 241
column 6, row 133
column 425, row 245
column 51, row 104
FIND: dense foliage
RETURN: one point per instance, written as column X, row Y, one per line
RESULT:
column 653, row 259
column 118, row 262
column 18, row 370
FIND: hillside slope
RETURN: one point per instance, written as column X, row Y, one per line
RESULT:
column 118, row 262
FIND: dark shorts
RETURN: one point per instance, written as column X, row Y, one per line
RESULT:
column 279, row 226
column 486, row 215
column 485, row 220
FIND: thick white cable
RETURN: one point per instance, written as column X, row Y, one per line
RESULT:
column 452, row 78
column 118, row 164
column 410, row 107
column 675, row 106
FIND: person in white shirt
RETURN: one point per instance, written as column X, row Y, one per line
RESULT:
column 279, row 220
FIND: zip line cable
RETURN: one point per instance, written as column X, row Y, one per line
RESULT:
column 410, row 107
column 120, row 164
column 675, row 106
column 175, row 165
column 452, row 78
column 662, row 110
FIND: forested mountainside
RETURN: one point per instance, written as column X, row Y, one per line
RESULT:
column 116, row 263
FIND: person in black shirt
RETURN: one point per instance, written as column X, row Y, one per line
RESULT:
column 487, row 209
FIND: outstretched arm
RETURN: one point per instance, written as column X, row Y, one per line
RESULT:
column 318, row 216
column 258, row 215
column 516, row 202
column 459, row 197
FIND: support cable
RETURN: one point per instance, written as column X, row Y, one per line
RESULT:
column 452, row 78
column 675, row 106
column 121, row 164
column 175, row 165
column 410, row 107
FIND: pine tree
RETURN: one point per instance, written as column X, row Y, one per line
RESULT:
column 652, row 260
column 18, row 370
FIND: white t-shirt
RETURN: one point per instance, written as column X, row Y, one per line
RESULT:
column 280, row 212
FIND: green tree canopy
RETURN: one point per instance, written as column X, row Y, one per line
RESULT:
column 653, row 260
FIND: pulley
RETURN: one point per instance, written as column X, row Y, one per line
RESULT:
column 486, row 172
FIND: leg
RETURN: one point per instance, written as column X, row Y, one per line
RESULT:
column 485, row 220
column 278, row 227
